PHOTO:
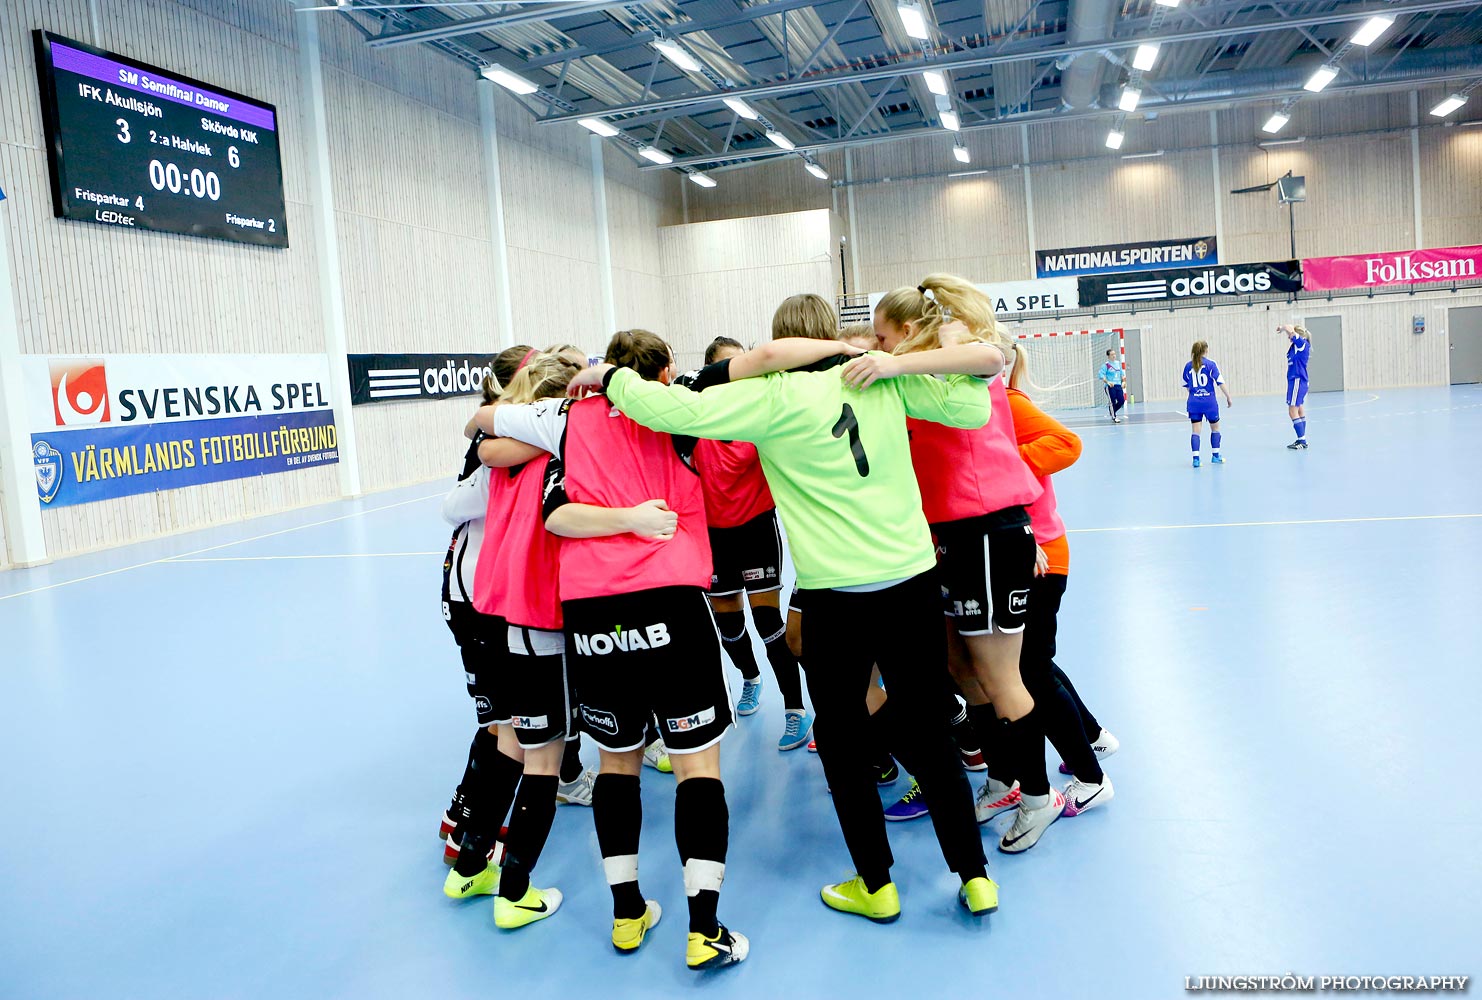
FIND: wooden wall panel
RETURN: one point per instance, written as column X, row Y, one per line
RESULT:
column 776, row 187
column 1451, row 175
column 726, row 278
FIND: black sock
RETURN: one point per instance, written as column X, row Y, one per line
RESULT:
column 571, row 765
column 702, row 833
column 494, row 780
column 880, row 759
column 1062, row 724
column 617, row 811
column 989, row 729
column 1024, row 745
column 467, row 781
column 784, row 665
column 529, row 826
column 1088, row 721
column 736, row 641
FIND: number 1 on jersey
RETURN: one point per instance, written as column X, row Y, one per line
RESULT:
column 848, row 422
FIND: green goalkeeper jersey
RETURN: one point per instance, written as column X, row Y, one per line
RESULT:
column 837, row 459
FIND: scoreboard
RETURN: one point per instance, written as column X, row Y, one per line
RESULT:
column 138, row 147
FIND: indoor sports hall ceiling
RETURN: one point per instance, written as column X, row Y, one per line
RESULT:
column 823, row 74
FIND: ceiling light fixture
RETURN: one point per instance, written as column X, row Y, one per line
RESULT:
column 598, row 126
column 1130, row 97
column 1167, row 3
column 1142, row 156
column 950, row 121
column 656, row 155
column 1282, row 142
column 741, row 108
column 703, row 180
column 963, row 156
column 1323, row 76
column 936, row 81
column 1276, row 122
column 1449, row 105
column 1145, row 56
column 968, row 173
column 1114, row 139
column 913, row 19
column 779, row 140
column 1372, row 29
column 507, row 80
column 676, row 54
column 816, row 170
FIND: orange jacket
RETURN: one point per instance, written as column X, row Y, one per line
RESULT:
column 1047, row 447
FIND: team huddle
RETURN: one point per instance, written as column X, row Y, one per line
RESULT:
column 613, row 522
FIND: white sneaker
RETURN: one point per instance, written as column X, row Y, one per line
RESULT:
column 656, row 757
column 578, row 792
column 1082, row 795
column 1031, row 824
column 990, row 802
column 1103, row 746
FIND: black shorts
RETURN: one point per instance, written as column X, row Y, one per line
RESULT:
column 987, row 565
column 654, row 652
column 798, row 602
column 747, row 557
column 481, row 640
column 536, row 688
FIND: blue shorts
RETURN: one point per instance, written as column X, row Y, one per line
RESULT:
column 1296, row 391
column 1204, row 410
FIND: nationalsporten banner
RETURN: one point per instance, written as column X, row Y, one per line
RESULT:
column 1146, row 255
column 1402, row 267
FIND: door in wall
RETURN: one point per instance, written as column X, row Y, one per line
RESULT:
column 1133, row 341
column 1325, row 366
column 1464, row 329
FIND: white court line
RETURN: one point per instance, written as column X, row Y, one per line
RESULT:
column 1337, row 406
column 329, row 555
column 1264, row 524
column 213, row 548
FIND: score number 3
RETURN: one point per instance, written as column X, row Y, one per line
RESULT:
column 848, row 423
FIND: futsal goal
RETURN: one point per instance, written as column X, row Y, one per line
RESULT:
column 1064, row 367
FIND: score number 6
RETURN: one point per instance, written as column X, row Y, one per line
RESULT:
column 232, row 157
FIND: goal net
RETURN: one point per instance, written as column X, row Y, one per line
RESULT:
column 1063, row 367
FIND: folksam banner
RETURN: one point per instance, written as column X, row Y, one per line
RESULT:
column 1405, row 267
column 1147, row 255
column 116, row 425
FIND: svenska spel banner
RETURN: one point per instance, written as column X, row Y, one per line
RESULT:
column 1401, row 267
column 107, row 426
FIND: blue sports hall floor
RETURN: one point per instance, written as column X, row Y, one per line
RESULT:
column 223, row 755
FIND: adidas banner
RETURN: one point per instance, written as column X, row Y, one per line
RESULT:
column 388, row 378
column 1220, row 281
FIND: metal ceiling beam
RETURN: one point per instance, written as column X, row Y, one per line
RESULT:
column 1043, row 117
column 638, row 38
column 1022, row 52
column 471, row 25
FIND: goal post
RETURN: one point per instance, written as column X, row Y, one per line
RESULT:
column 1063, row 366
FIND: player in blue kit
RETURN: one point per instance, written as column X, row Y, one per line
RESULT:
column 1201, row 378
column 1297, row 354
column 1111, row 382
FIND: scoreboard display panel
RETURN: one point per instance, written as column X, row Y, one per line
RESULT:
column 138, row 147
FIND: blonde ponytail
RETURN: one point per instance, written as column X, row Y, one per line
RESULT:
column 938, row 300
column 542, row 377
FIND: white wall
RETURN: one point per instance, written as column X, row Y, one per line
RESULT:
column 93, row 289
column 417, row 262
column 726, row 278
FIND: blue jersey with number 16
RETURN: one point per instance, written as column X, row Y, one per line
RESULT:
column 1201, row 383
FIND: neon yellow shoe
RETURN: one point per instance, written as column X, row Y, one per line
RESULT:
column 628, row 932
column 656, row 757
column 536, row 904
column 882, row 906
column 485, row 883
column 726, row 948
column 979, row 896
